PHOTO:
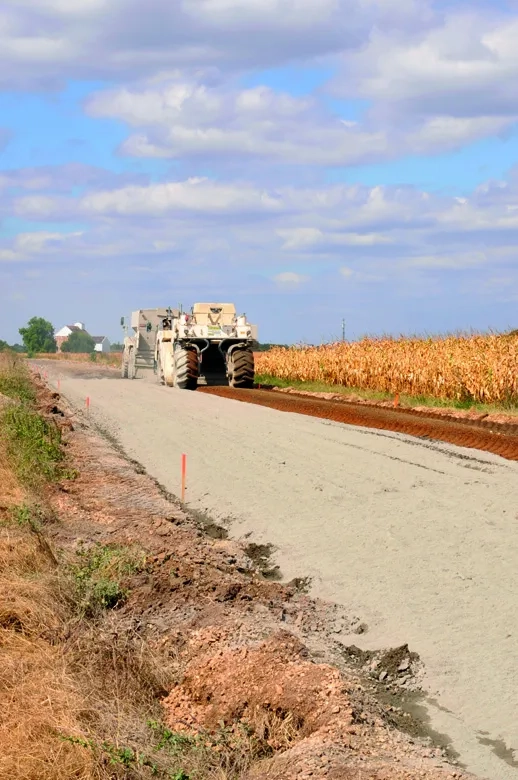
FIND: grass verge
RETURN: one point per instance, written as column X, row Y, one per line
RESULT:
column 33, row 445
column 15, row 380
column 409, row 401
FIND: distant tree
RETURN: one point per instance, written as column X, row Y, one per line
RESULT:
column 3, row 345
column 267, row 347
column 38, row 336
column 79, row 341
column 117, row 347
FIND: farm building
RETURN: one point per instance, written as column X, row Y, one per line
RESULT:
column 63, row 333
column 102, row 343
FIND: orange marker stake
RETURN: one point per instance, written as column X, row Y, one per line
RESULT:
column 396, row 399
column 59, row 385
column 184, row 474
column 87, row 404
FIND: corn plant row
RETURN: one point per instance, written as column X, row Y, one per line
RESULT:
column 478, row 368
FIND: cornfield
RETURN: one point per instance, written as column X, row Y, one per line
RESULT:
column 478, row 368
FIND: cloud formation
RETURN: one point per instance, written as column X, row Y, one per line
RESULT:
column 464, row 65
column 193, row 120
column 395, row 227
column 224, row 188
column 42, row 42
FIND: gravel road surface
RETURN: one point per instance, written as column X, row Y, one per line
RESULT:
column 418, row 539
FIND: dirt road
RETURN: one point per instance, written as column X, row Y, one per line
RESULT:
column 419, row 539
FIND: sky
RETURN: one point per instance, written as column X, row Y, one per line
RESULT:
column 311, row 162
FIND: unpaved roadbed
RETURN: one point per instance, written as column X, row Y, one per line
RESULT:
column 416, row 538
column 245, row 651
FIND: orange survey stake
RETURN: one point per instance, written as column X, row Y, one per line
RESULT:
column 184, row 474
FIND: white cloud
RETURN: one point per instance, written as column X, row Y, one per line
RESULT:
column 360, row 276
column 464, row 65
column 189, row 119
column 298, row 238
column 384, row 244
column 290, row 278
column 195, row 195
column 26, row 246
column 8, row 256
column 448, row 261
column 302, row 238
column 43, row 207
column 33, row 243
column 99, row 39
column 444, row 133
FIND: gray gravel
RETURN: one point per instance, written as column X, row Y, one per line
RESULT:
column 419, row 539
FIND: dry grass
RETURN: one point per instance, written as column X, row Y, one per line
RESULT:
column 478, row 368
column 10, row 491
column 111, row 359
column 15, row 381
column 39, row 699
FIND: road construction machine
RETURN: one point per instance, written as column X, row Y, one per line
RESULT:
column 139, row 347
column 210, row 345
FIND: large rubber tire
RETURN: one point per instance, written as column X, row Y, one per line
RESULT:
column 187, row 369
column 132, row 368
column 241, row 368
column 159, row 372
column 166, row 363
column 124, row 365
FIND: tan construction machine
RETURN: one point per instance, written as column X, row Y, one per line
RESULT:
column 139, row 348
column 211, row 345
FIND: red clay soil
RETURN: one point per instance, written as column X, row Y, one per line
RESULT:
column 498, row 438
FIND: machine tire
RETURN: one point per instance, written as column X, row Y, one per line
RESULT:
column 187, row 369
column 124, row 365
column 241, row 368
column 160, row 372
column 132, row 369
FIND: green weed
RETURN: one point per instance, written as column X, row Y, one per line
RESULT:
column 25, row 516
column 226, row 752
column 98, row 575
column 33, row 445
column 15, row 379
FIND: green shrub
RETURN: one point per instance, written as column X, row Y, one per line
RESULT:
column 15, row 380
column 33, row 444
column 98, row 575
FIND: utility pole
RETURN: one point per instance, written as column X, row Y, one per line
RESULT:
column 343, row 330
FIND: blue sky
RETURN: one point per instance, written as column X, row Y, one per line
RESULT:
column 341, row 160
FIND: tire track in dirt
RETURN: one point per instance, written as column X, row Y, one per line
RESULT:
column 498, row 438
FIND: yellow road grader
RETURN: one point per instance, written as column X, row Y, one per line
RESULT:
column 210, row 345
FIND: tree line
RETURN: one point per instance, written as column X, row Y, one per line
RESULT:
column 38, row 337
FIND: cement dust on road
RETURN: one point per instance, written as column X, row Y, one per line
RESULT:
column 417, row 537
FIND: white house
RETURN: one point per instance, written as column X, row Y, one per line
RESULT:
column 102, row 344
column 62, row 335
